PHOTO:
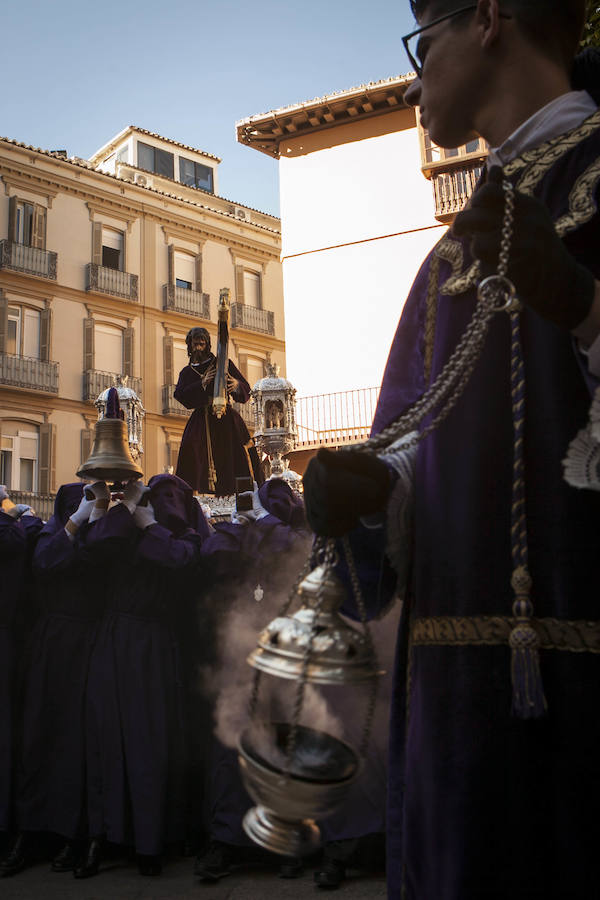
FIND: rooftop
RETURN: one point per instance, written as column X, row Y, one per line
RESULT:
column 130, row 129
column 265, row 131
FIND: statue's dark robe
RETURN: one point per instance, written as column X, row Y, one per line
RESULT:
column 136, row 697
column 482, row 804
column 232, row 448
column 16, row 540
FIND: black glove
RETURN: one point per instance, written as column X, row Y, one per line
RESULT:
column 341, row 486
column 541, row 268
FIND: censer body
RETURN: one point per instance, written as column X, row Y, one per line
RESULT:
column 297, row 774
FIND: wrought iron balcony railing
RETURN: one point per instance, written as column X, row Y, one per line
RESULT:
column 246, row 411
column 42, row 504
column 111, row 281
column 26, row 372
column 253, row 319
column 95, row 382
column 183, row 300
column 171, row 406
column 452, row 189
column 30, row 260
column 340, row 418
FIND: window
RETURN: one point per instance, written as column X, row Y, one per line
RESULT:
column 27, row 223
column 19, row 457
column 180, row 357
column 153, row 159
column 24, row 224
column 112, row 249
column 108, row 348
column 184, row 270
column 254, row 370
column 123, row 154
column 23, row 332
column 195, row 174
column 252, row 289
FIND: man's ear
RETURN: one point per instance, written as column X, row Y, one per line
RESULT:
column 487, row 21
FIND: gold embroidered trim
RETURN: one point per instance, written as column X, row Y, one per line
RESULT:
column 555, row 634
column 431, row 314
column 582, row 205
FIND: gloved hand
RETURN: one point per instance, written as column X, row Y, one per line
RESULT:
column 144, row 516
column 133, row 493
column 544, row 273
column 99, row 490
column 3, row 493
column 342, row 486
column 18, row 510
column 82, row 513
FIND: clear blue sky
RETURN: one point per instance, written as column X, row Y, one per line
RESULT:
column 76, row 73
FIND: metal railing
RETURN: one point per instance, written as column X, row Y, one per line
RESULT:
column 253, row 319
column 26, row 372
column 111, row 281
column 42, row 504
column 171, row 406
column 246, row 411
column 30, row 260
column 343, row 417
column 184, row 300
column 452, row 189
column 95, row 382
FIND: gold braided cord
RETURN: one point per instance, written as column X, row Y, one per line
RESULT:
column 431, row 315
column 574, row 636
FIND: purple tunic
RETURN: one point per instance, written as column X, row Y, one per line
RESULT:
column 231, row 446
column 482, row 804
column 136, row 732
column 16, row 536
column 51, row 769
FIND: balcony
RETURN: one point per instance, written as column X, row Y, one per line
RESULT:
column 32, row 374
column 452, row 189
column 183, row 300
column 111, row 281
column 42, row 504
column 246, row 411
column 29, row 260
column 171, row 406
column 95, row 382
column 344, row 417
column 253, row 319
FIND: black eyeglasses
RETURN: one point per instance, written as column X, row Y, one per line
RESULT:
column 413, row 56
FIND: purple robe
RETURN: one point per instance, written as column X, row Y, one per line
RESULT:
column 136, row 716
column 51, row 766
column 16, row 538
column 482, row 804
column 231, row 446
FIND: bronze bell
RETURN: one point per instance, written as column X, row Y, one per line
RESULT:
column 110, row 459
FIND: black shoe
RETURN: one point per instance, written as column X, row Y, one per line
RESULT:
column 216, row 861
column 67, row 858
column 149, row 865
column 290, row 867
column 330, row 874
column 19, row 857
column 89, row 865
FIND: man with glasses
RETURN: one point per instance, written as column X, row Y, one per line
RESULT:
column 490, row 795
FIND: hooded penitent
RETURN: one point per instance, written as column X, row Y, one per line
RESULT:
column 174, row 505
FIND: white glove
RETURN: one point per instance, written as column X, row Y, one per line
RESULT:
column 82, row 513
column 3, row 493
column 99, row 490
column 18, row 510
column 144, row 516
column 133, row 493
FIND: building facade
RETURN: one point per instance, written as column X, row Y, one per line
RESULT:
column 105, row 264
column 364, row 196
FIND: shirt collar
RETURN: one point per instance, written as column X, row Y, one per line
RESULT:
column 560, row 115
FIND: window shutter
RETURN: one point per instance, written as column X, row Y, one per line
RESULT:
column 3, row 322
column 97, row 243
column 128, row 351
column 47, row 467
column 168, row 358
column 45, row 333
column 12, row 219
column 171, row 268
column 38, row 237
column 239, row 284
column 243, row 364
column 87, row 437
column 260, row 290
column 88, row 344
column 198, row 272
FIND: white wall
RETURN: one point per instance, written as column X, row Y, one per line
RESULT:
column 342, row 305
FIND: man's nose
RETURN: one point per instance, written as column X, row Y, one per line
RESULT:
column 412, row 95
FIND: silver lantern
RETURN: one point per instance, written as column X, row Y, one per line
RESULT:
column 275, row 434
column 294, row 773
